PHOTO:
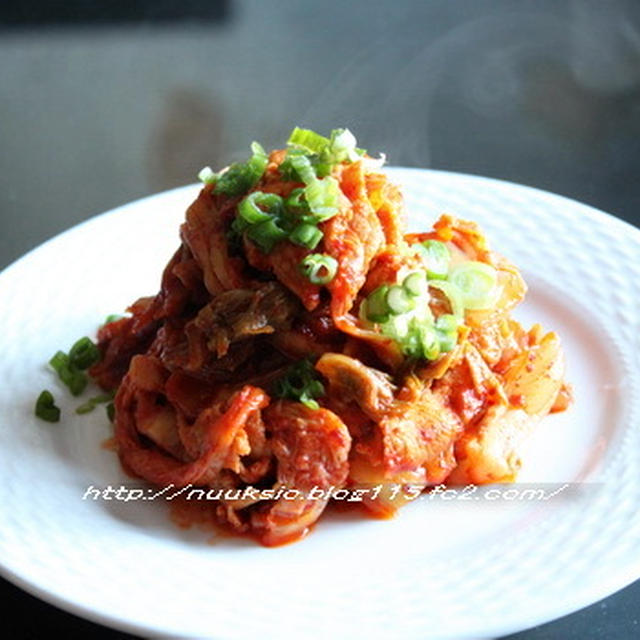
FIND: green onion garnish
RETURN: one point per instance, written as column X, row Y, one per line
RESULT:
column 476, row 282
column 259, row 214
column 111, row 411
column 319, row 268
column 416, row 337
column 404, row 315
column 447, row 323
column 112, row 317
column 301, row 169
column 415, row 284
column 447, row 330
column 240, row 177
column 70, row 375
column 429, row 341
column 92, row 403
column 83, row 354
column 323, row 197
column 296, row 203
column 377, row 309
column 308, row 140
column 46, row 408
column 301, row 383
column 321, row 153
column 258, row 207
column 437, row 256
column 342, row 146
column 306, row 235
column 207, row 175
column 266, row 234
column 398, row 300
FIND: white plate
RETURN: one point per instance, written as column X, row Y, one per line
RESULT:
column 442, row 568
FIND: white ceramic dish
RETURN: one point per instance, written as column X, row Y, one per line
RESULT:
column 442, row 568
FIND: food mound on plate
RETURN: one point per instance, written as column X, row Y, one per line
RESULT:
column 303, row 340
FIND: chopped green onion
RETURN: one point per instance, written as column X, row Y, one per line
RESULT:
column 447, row 322
column 323, row 197
column 303, row 169
column 477, row 283
column 74, row 379
column 437, row 256
column 46, row 408
column 207, row 176
column 321, row 167
column 87, row 407
column 416, row 337
column 308, row 140
column 342, row 146
column 415, row 284
column 398, row 300
column 286, row 169
column 447, row 330
column 319, row 268
column 266, row 234
column 258, row 207
column 84, row 353
column 300, row 382
column 239, row 178
column 112, row 317
column 296, row 203
column 377, row 308
column 447, row 341
column 429, row 341
column 397, row 327
column 321, row 153
column 91, row 403
column 306, row 235
column 59, row 360
column 111, row 411
column 453, row 294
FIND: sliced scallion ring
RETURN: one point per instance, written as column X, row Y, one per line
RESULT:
column 415, row 284
column 377, row 309
column 84, row 353
column 447, row 329
column 477, row 283
column 301, row 168
column 240, row 177
column 46, row 408
column 447, row 323
column 266, row 234
column 437, row 256
column 258, row 207
column 319, row 268
column 429, row 341
column 398, row 300
column 68, row 373
column 306, row 235
column 342, row 146
column 296, row 203
column 307, row 140
column 323, row 197
column 447, row 341
column 207, row 175
column 300, row 382
column 92, row 403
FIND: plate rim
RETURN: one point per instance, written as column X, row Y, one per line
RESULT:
column 622, row 578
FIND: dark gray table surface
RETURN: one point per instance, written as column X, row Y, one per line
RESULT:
column 102, row 103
